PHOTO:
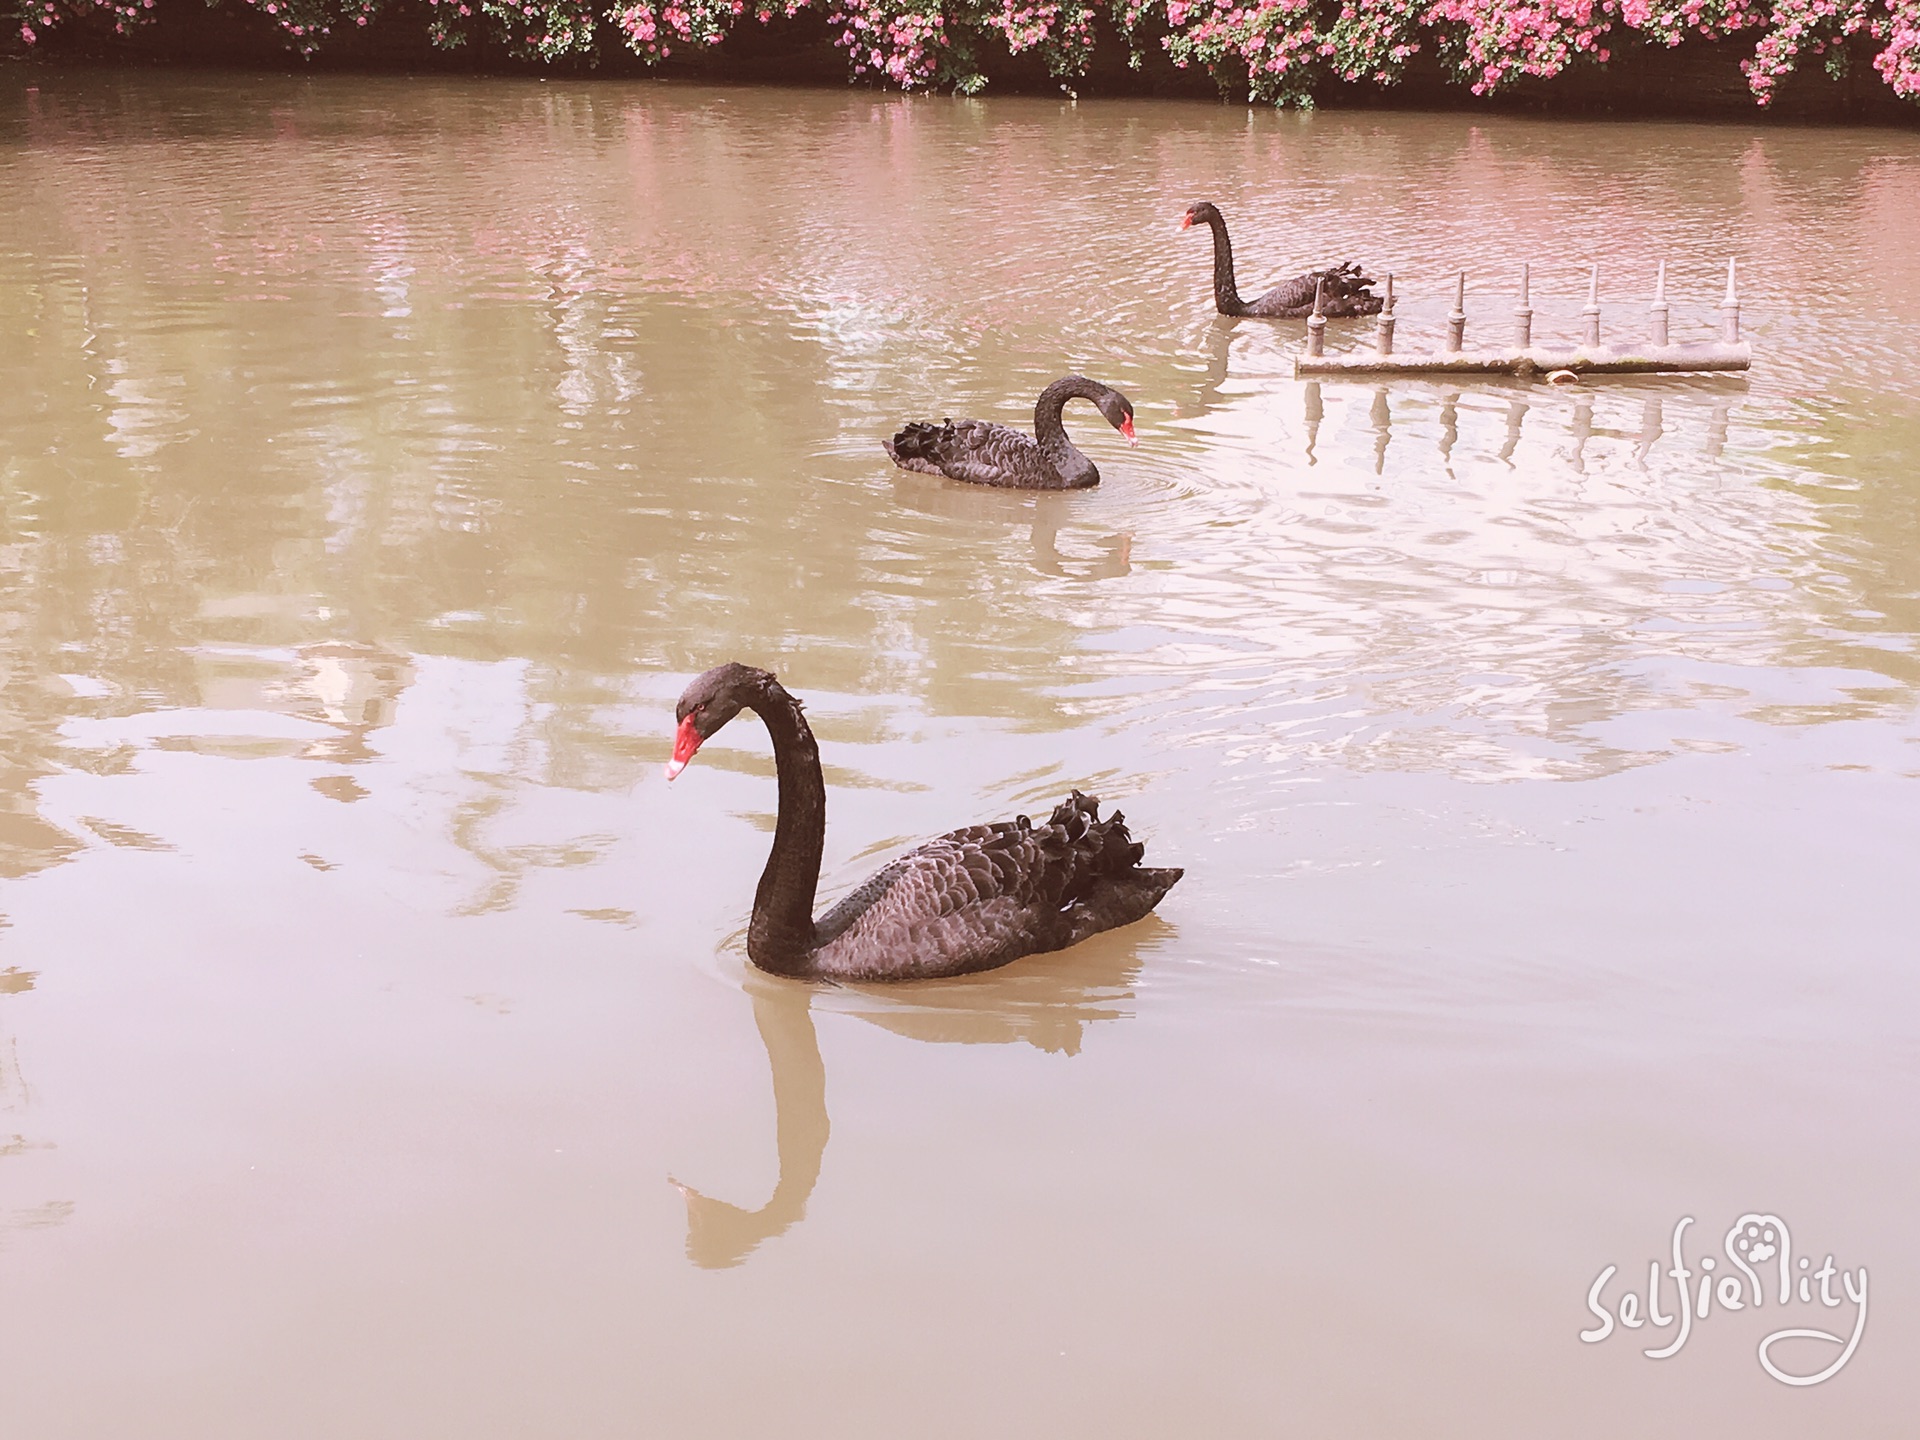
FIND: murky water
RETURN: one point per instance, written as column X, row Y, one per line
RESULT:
column 383, row 456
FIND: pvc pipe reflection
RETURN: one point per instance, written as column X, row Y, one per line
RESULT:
column 1582, row 431
column 1384, row 425
column 1380, row 415
column 1516, row 413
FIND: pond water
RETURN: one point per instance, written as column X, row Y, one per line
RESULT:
column 378, row 1054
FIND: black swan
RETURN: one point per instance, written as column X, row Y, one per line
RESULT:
column 989, row 454
column 971, row 900
column 1347, row 288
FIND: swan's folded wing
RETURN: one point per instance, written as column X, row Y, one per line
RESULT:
column 969, row 900
column 1347, row 292
column 980, row 897
column 1287, row 297
column 983, row 453
column 953, row 871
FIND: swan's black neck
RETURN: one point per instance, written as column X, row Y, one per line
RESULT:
column 1061, row 452
column 1226, row 293
column 780, row 936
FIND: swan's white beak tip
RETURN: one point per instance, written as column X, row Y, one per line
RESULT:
column 674, row 767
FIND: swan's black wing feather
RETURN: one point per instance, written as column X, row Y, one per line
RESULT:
column 980, row 897
column 907, row 448
column 1348, row 292
column 976, row 451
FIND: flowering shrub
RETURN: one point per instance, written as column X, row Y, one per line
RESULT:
column 547, row 29
column 1061, row 32
column 39, row 16
column 1371, row 42
column 1818, row 27
column 1276, row 41
column 1492, row 42
column 896, row 39
column 651, row 28
column 1670, row 23
column 305, row 24
column 1282, row 47
column 1899, row 63
column 1278, row 50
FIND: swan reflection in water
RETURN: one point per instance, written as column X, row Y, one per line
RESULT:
column 719, row 1234
column 1045, row 512
column 1046, row 1001
column 1217, row 345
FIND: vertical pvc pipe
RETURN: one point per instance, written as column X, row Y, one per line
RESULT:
column 1457, row 320
column 1730, row 312
column 1523, row 312
column 1317, row 322
column 1659, row 307
column 1384, row 341
column 1590, row 336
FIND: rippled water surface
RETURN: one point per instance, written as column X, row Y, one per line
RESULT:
column 383, row 456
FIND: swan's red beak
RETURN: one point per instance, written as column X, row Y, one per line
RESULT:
column 1126, row 429
column 686, row 740
column 1186, row 221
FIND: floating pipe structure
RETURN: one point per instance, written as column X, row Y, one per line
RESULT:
column 1655, row 355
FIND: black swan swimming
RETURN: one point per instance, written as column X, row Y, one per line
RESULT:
column 1347, row 288
column 974, row 899
column 989, row 454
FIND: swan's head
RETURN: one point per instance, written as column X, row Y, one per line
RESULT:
column 1119, row 412
column 709, row 703
column 1201, row 212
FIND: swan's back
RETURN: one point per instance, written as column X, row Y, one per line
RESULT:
column 1347, row 293
column 978, row 898
column 977, row 451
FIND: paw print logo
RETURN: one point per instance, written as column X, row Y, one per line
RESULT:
column 1756, row 1239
